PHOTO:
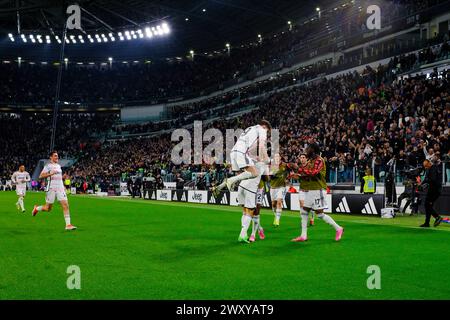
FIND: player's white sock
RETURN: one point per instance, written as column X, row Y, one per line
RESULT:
column 255, row 225
column 242, row 176
column 329, row 220
column 245, row 225
column 39, row 208
column 67, row 218
column 278, row 213
column 258, row 217
column 304, row 217
column 21, row 203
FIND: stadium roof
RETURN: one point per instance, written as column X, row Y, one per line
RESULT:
column 198, row 25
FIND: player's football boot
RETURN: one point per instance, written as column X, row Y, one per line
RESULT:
column 276, row 222
column 23, row 211
column 339, row 234
column 70, row 227
column 252, row 238
column 438, row 221
column 300, row 239
column 243, row 239
column 261, row 234
column 35, row 211
column 17, row 206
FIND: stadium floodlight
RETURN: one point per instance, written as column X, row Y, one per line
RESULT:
column 10, row 35
column 317, row 9
column 227, row 45
column 204, row 10
column 39, row 38
column 110, row 59
column 97, row 36
column 165, row 28
column 187, row 19
column 99, row 40
column 113, row 39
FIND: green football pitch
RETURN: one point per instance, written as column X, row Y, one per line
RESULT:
column 138, row 249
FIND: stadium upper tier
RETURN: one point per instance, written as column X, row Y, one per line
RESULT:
column 329, row 40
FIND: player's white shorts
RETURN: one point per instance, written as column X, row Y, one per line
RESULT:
column 240, row 160
column 259, row 196
column 315, row 199
column 21, row 191
column 52, row 194
column 246, row 198
column 301, row 195
column 277, row 193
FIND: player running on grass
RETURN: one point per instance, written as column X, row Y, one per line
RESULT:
column 250, row 147
column 55, row 189
column 313, row 180
column 279, row 173
column 247, row 194
column 20, row 179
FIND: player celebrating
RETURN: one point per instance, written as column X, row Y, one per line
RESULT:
column 20, row 179
column 279, row 174
column 247, row 193
column 314, row 184
column 251, row 146
column 256, row 221
column 301, row 193
column 55, row 189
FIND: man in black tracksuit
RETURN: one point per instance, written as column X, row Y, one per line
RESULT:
column 433, row 183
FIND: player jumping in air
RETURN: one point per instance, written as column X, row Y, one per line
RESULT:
column 251, row 146
column 247, row 193
column 20, row 179
column 312, row 176
column 55, row 189
column 279, row 174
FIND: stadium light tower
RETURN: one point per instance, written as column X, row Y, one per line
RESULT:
column 290, row 25
column 19, row 61
column 259, row 38
column 227, row 45
column 110, row 59
column 318, row 12
column 192, row 54
column 66, row 61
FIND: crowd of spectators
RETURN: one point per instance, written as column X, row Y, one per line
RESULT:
column 360, row 120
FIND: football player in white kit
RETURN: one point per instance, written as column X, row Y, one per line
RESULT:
column 247, row 197
column 251, row 146
column 20, row 179
column 55, row 189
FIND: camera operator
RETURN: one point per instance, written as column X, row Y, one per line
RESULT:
column 433, row 184
column 411, row 194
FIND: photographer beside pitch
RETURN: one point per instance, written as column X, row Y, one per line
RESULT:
column 433, row 184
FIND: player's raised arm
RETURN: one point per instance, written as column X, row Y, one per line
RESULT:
column 318, row 166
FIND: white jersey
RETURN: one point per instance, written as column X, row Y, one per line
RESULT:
column 250, row 138
column 20, row 179
column 54, row 182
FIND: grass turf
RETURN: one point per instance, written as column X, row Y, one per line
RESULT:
column 137, row 249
